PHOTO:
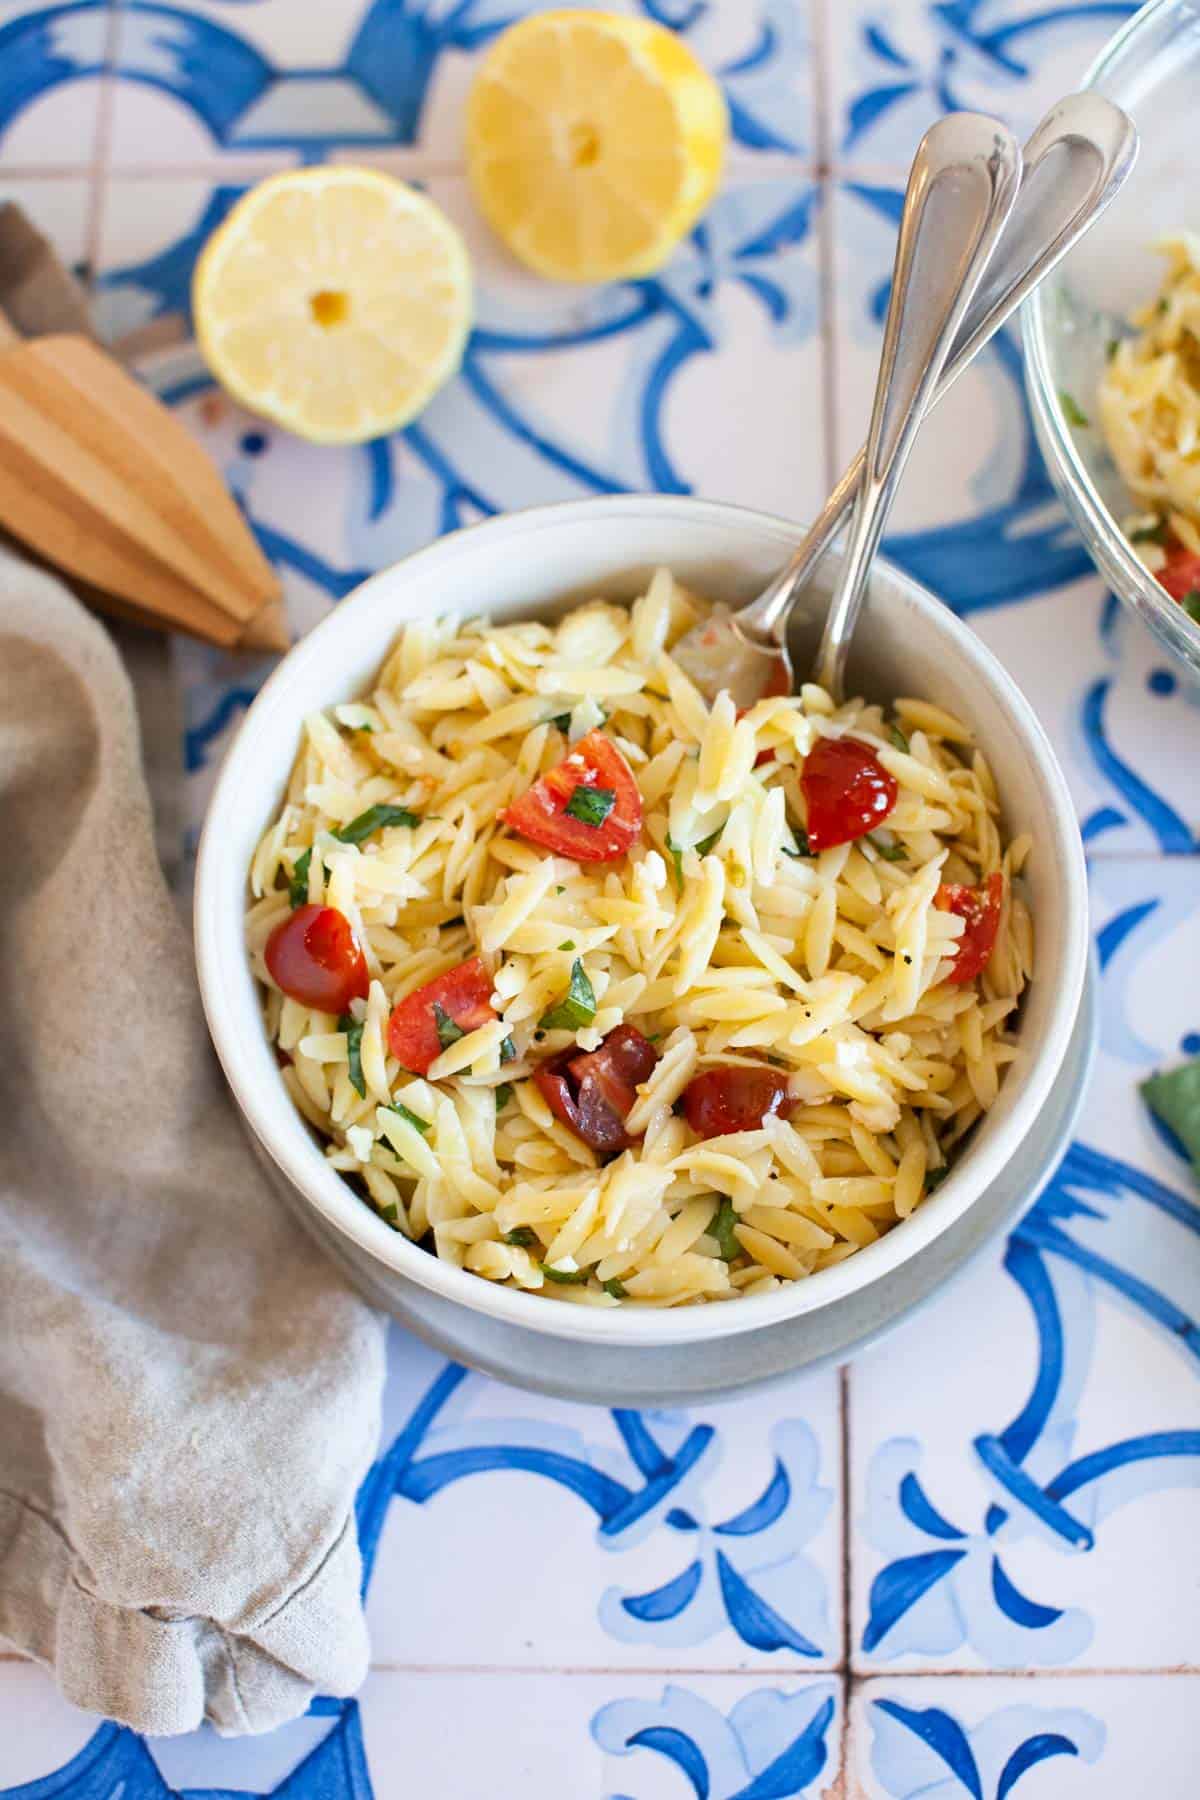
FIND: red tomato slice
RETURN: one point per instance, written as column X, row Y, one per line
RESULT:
column 314, row 957
column 1181, row 571
column 980, row 907
column 462, row 995
column 733, row 1098
column 847, row 791
column 541, row 813
column 593, row 1091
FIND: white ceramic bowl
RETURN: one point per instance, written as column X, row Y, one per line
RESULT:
column 542, row 561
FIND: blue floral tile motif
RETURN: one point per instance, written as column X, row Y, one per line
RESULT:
column 50, row 59
column 646, row 1480
column 926, row 1753
column 770, row 1746
column 263, row 78
column 900, row 65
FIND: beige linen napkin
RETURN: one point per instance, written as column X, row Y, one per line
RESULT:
column 189, row 1394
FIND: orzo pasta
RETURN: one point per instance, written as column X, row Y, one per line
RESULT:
column 598, row 990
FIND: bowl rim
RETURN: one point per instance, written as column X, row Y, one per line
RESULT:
column 295, row 1153
column 1106, row 542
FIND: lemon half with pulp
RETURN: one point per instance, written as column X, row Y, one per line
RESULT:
column 334, row 300
column 594, row 143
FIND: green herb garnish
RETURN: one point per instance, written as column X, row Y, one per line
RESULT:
column 1163, row 304
column 298, row 885
column 616, row 1288
column 899, row 740
column 577, row 1006
column 1111, row 348
column 591, row 805
column 409, row 1117
column 523, row 1236
column 560, row 890
column 565, row 1277
column 567, row 944
column 508, row 1051
column 677, row 858
column 1191, row 604
column 354, row 1033
column 720, row 1226
column 1150, row 534
column 706, row 844
column 561, row 721
column 504, row 1094
column 935, row 1177
column 802, row 849
column 374, row 819
column 368, row 728
column 1175, row 1099
column 1074, row 412
column 889, row 852
column 448, row 1030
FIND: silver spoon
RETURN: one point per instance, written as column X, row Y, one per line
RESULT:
column 1076, row 160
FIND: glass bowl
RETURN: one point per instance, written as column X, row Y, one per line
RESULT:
column 1152, row 69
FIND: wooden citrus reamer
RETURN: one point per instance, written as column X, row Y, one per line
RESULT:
column 101, row 480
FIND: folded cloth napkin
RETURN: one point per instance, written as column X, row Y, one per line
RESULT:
column 189, row 1394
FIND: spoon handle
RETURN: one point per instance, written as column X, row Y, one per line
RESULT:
column 961, row 190
column 1074, row 163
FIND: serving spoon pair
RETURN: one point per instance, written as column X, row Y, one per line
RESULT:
column 983, row 222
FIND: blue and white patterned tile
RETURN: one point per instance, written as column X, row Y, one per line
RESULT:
column 897, row 65
column 977, row 521
column 374, row 74
column 563, row 393
column 52, row 71
column 1026, row 1502
column 1073, row 1739
column 505, row 1530
column 446, row 1736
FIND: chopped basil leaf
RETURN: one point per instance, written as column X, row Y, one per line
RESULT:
column 389, row 1212
column 409, row 1117
column 935, row 1178
column 1191, row 604
column 523, row 1236
column 577, row 1006
column 1111, row 348
column 448, row 1030
column 560, row 890
column 1150, row 534
column 368, row 728
column 1163, row 304
column 1071, row 407
column 899, row 740
column 720, row 1226
column 374, row 819
column 354, row 1033
column 567, row 944
column 567, row 1277
column 802, row 849
column 508, row 1051
column 706, row 844
column 591, row 805
column 677, row 859
column 561, row 722
column 889, row 852
column 504, row 1094
column 298, row 885
column 1175, row 1099
column 616, row 1288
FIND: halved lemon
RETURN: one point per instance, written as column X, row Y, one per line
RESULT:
column 593, row 143
column 335, row 300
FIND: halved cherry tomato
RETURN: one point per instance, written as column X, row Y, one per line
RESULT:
column 315, row 958
column 592, row 1091
column 541, row 814
column 847, row 791
column 462, row 996
column 980, row 907
column 1181, row 571
column 735, row 1098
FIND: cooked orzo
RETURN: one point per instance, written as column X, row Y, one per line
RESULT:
column 601, row 991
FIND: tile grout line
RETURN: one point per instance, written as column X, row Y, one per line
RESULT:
column 102, row 147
